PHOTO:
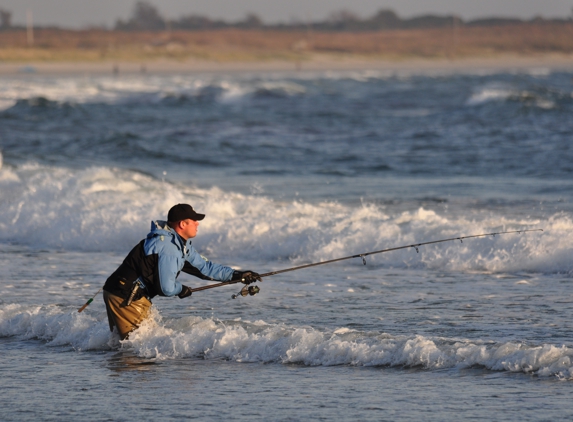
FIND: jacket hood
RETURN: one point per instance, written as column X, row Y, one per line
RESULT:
column 161, row 228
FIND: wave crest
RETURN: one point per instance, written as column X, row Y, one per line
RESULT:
column 244, row 341
column 106, row 209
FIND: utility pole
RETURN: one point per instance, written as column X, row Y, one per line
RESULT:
column 30, row 27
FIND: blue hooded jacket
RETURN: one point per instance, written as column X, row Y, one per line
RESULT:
column 172, row 252
column 157, row 261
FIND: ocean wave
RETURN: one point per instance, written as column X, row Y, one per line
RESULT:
column 108, row 209
column 490, row 94
column 156, row 88
column 56, row 327
column 258, row 341
column 139, row 89
column 145, row 89
column 485, row 95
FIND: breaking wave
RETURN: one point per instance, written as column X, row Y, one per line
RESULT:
column 107, row 209
column 258, row 341
column 544, row 100
column 43, row 92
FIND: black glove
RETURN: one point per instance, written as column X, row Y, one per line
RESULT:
column 185, row 291
column 246, row 277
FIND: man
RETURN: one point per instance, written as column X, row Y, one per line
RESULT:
column 152, row 267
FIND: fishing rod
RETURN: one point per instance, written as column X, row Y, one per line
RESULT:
column 253, row 290
column 90, row 300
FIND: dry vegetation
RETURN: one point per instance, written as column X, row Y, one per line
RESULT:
column 249, row 45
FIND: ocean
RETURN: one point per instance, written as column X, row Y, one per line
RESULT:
column 292, row 168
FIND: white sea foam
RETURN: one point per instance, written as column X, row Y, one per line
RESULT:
column 57, row 328
column 107, row 209
column 97, row 89
column 496, row 93
column 490, row 94
column 279, row 343
column 107, row 89
column 151, row 89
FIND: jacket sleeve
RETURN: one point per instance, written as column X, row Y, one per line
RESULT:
column 191, row 270
column 168, row 268
column 208, row 268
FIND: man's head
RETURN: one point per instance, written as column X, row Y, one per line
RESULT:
column 184, row 220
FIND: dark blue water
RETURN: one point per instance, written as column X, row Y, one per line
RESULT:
column 451, row 126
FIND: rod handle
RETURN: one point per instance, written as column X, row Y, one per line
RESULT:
column 86, row 305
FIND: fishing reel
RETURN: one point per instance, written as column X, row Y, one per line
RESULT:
column 247, row 290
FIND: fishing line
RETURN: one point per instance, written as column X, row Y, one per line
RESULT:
column 246, row 291
column 253, row 290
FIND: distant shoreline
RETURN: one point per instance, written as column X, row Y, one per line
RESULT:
column 552, row 62
column 455, row 48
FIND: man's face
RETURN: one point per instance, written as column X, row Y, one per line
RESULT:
column 188, row 228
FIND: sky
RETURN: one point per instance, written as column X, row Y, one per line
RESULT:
column 84, row 13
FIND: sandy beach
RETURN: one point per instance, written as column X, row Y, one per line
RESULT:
column 315, row 63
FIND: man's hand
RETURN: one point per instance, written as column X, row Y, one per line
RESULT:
column 246, row 277
column 185, row 291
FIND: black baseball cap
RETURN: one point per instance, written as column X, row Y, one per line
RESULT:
column 183, row 212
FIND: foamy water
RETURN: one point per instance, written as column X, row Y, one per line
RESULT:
column 259, row 342
column 106, row 209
